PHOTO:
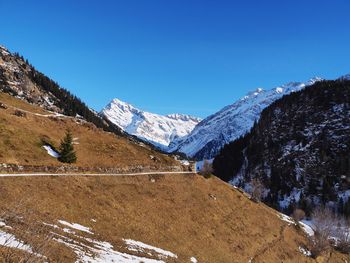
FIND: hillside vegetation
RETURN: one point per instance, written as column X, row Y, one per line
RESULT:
column 188, row 215
column 25, row 128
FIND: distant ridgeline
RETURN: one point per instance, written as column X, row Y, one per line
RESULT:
column 299, row 150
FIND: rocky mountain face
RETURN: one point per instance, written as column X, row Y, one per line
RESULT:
column 233, row 121
column 156, row 129
column 15, row 78
column 22, row 80
column 299, row 150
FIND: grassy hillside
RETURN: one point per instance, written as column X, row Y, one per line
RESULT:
column 22, row 139
column 187, row 215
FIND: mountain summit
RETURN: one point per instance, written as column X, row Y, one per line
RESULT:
column 231, row 122
column 154, row 128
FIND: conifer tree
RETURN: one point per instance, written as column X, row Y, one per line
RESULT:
column 67, row 153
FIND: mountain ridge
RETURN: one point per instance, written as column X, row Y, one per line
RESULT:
column 231, row 122
column 157, row 129
column 299, row 149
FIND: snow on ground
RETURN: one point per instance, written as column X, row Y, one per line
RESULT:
column 9, row 240
column 101, row 252
column 305, row 252
column 286, row 218
column 193, row 260
column 141, row 247
column 76, row 226
column 308, row 227
column 90, row 250
column 185, row 162
column 51, row 151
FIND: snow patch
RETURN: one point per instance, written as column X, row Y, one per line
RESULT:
column 286, row 218
column 305, row 252
column 51, row 151
column 140, row 247
column 76, row 226
column 9, row 240
column 307, row 226
column 193, row 260
column 89, row 250
column 101, row 252
column 185, row 162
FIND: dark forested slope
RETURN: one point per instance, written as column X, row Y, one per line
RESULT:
column 299, row 150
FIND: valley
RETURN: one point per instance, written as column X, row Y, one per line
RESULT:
column 132, row 193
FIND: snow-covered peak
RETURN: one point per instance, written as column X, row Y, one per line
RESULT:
column 157, row 129
column 231, row 122
column 124, row 106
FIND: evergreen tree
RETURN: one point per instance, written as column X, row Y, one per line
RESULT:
column 67, row 153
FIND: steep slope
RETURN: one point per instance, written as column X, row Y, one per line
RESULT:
column 21, row 79
column 233, row 121
column 299, row 149
column 26, row 128
column 195, row 219
column 156, row 129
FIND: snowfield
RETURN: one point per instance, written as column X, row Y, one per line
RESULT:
column 154, row 128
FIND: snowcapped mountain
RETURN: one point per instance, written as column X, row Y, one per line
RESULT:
column 231, row 122
column 157, row 129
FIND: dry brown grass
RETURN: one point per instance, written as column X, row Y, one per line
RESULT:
column 21, row 141
column 188, row 215
column 175, row 212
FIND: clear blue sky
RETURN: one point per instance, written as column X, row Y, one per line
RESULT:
column 183, row 56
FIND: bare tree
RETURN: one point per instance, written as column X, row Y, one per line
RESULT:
column 323, row 220
column 257, row 190
column 207, row 169
column 298, row 215
column 342, row 234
